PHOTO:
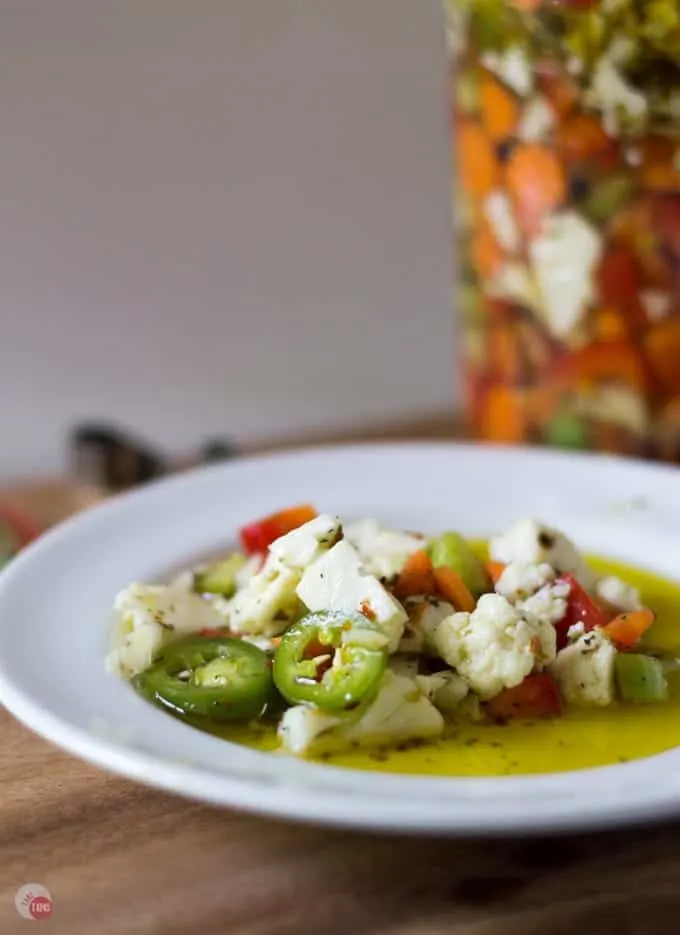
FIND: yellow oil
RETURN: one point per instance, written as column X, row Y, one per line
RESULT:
column 582, row 738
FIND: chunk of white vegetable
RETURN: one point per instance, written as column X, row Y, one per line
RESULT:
column 585, row 670
column 337, row 582
column 150, row 615
column 400, row 711
column 563, row 257
column 304, row 545
column 530, row 542
column 424, row 616
column 617, row 592
column 266, row 605
column 520, row 580
column 383, row 552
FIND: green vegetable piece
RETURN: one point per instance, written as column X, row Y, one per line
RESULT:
column 315, row 664
column 220, row 679
column 451, row 549
column 609, row 196
column 219, row 578
column 567, row 431
column 640, row 678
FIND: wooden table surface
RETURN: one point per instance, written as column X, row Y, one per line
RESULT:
column 120, row 858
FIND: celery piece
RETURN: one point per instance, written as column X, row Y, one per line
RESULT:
column 640, row 678
column 452, row 550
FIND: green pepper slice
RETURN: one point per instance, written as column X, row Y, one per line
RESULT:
column 218, row 678
column 327, row 661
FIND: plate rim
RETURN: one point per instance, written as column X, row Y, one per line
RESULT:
column 230, row 791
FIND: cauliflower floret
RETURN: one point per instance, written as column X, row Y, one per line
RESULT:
column 519, row 581
column 424, row 616
column 400, row 711
column 533, row 591
column 585, row 670
column 265, row 643
column 548, row 604
column 337, row 582
column 499, row 213
column 444, row 689
column 150, row 615
column 622, row 105
column 268, row 602
column 575, row 631
column 529, row 542
column 383, row 552
column 301, row 726
column 247, row 571
column 304, row 545
column 563, row 258
column 402, row 664
column 495, row 647
column 513, row 67
column 513, row 282
column 536, row 121
column 617, row 592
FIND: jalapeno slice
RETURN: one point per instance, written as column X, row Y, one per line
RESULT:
column 330, row 661
column 217, row 678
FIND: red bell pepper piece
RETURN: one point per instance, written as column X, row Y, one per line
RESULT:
column 17, row 530
column 581, row 608
column 537, row 696
column 215, row 632
column 257, row 537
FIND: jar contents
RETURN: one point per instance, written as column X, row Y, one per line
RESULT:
column 566, row 146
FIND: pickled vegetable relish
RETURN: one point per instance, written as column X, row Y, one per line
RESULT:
column 566, row 119
column 321, row 638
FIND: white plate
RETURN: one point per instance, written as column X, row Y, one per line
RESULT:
column 55, row 602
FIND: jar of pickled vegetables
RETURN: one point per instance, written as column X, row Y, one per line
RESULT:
column 566, row 130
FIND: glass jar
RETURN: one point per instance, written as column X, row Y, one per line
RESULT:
column 566, row 128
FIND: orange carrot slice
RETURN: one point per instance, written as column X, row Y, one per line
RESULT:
column 626, row 629
column 502, row 417
column 453, row 589
column 485, row 253
column 477, row 163
column 416, row 577
column 610, row 324
column 495, row 570
column 499, row 108
column 658, row 170
column 537, row 184
column 506, row 361
column 662, row 347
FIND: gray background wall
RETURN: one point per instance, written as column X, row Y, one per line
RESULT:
column 220, row 216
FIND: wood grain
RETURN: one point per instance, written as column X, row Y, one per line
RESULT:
column 119, row 858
